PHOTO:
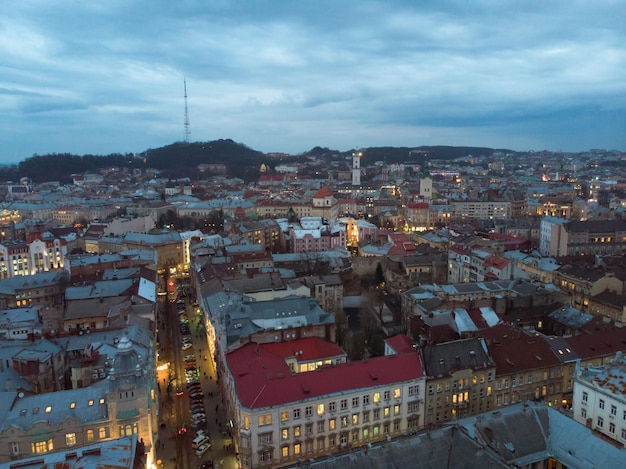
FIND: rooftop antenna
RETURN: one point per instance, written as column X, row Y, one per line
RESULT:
column 187, row 129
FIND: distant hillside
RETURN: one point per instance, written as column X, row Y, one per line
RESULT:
column 417, row 155
column 181, row 159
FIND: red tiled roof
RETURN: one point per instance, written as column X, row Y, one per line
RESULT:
column 497, row 262
column 263, row 379
column 400, row 343
column 418, row 205
column 323, row 191
column 513, row 350
column 600, row 344
column 311, row 348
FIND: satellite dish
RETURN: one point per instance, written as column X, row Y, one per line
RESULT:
column 20, row 395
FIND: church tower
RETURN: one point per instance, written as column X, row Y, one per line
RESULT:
column 356, row 168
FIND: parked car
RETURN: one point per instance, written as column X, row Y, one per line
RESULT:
column 186, row 346
column 203, row 449
column 198, row 415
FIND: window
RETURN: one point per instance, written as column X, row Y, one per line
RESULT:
column 320, row 426
column 15, row 447
column 600, row 422
column 102, row 432
column 284, row 416
column 308, row 429
column 355, row 402
column 331, row 406
column 332, row 424
column 396, row 409
column 42, row 446
column 320, row 443
column 296, row 414
column 265, row 420
column 89, row 435
column 376, row 398
column 611, row 427
column 285, row 451
column 366, row 399
column 413, row 390
column 355, row 419
column 413, row 406
column 343, row 404
column 265, row 438
column 376, row 414
column 623, row 433
column 583, row 413
column 70, row 439
column 48, row 409
column 613, row 410
column 355, row 435
column 396, row 393
column 387, row 412
column 90, row 402
column 72, row 405
column 601, row 404
column 344, row 421
column 296, row 431
column 101, row 400
column 284, row 434
column 320, row 409
column 308, row 411
column 297, row 448
column 387, row 395
column 266, row 456
column 585, row 396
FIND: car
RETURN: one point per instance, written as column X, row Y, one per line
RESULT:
column 189, row 358
column 197, row 410
column 196, row 394
column 198, row 423
column 194, row 387
column 179, row 391
column 203, row 449
column 186, row 346
column 202, row 433
column 198, row 415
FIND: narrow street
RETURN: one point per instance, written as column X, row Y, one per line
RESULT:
column 175, row 446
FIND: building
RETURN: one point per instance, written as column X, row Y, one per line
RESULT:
column 280, row 417
column 600, row 398
column 460, row 379
column 41, row 253
column 560, row 237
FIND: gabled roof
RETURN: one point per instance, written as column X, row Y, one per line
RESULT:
column 514, row 350
column 323, row 191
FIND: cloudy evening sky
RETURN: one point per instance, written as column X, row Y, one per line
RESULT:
column 286, row 75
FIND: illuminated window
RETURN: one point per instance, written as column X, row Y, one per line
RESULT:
column 285, row 433
column 320, row 409
column 296, row 448
column 70, row 439
column 89, row 435
column 285, row 451
column 376, row 398
column 102, row 400
column 72, row 405
column 284, row 416
column 396, row 393
column 90, row 403
column 102, row 432
column 48, row 409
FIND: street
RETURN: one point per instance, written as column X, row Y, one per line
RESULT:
column 174, row 450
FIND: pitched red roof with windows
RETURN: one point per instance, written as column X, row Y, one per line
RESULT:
column 513, row 350
column 263, row 379
column 311, row 348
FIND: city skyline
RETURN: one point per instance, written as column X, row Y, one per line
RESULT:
column 288, row 76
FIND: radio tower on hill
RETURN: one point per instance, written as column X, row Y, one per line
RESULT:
column 186, row 125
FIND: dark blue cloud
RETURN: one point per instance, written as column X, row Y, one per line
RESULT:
column 286, row 76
